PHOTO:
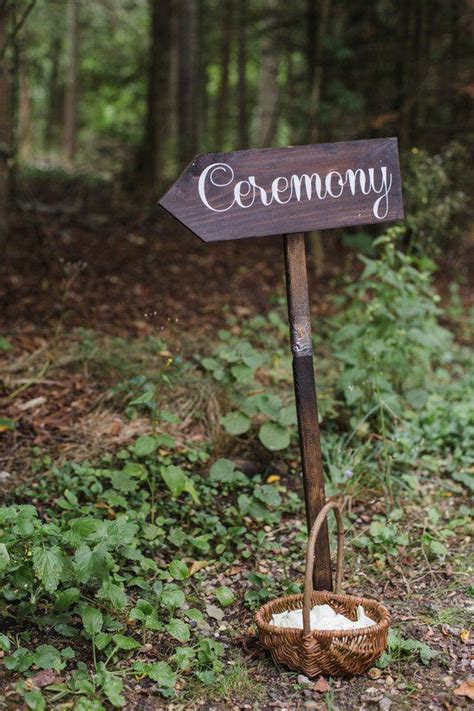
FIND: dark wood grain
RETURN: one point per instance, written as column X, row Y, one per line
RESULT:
column 353, row 207
column 306, row 401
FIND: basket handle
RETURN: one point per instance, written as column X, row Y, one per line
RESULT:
column 308, row 581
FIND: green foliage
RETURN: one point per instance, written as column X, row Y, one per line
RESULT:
column 399, row 648
column 251, row 379
column 433, row 199
column 387, row 336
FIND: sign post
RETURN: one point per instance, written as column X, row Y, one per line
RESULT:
column 291, row 191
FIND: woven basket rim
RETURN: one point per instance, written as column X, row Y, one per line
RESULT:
column 370, row 631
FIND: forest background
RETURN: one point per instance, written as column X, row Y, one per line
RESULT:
column 148, row 442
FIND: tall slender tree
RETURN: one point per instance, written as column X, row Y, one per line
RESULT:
column 5, row 119
column 268, row 81
column 159, row 91
column 71, row 103
column 242, row 95
column 222, row 105
column 188, row 114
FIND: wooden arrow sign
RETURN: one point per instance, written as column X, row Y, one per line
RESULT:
column 222, row 196
column 276, row 191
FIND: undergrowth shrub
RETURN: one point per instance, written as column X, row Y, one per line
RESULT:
column 387, row 336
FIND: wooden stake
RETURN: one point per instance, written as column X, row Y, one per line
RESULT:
column 306, row 403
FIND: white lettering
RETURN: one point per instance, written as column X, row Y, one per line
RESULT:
column 283, row 190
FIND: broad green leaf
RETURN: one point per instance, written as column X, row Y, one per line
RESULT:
column 178, row 569
column 144, row 399
column 4, row 344
column 48, row 566
column 48, row 657
column 92, row 619
column 145, row 445
column 162, row 673
column 417, row 397
column 223, row 470
column 112, row 687
column 184, row 657
column 236, row 423
column 225, row 596
column 169, row 417
column 268, row 494
column 190, row 489
column 102, row 639
column 287, row 416
column 273, row 436
column 242, row 373
column 88, row 704
column 124, row 480
column 35, row 700
column 175, row 479
column 427, row 654
column 66, row 598
column 115, row 593
column 5, row 644
column 172, row 597
column 4, row 557
column 124, row 642
column 83, row 563
column 438, row 548
column 194, row 614
column 179, row 630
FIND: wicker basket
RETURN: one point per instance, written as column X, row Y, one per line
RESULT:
column 331, row 652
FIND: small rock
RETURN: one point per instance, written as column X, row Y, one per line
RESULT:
column 304, row 681
column 4, row 475
column 385, row 704
column 374, row 673
column 311, row 705
column 389, row 681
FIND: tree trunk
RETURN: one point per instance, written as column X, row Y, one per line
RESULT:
column 243, row 120
column 315, row 74
column 24, row 115
column 222, row 107
column 315, row 64
column 159, row 91
column 53, row 106
column 268, row 85
column 188, row 80
column 72, row 84
column 5, row 122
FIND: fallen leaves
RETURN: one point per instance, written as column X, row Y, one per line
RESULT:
column 45, row 677
column 215, row 612
column 321, row 686
column 197, row 565
column 466, row 689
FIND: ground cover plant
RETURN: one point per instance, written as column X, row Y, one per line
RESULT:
column 134, row 574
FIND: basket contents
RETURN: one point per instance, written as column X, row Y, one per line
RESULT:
column 322, row 617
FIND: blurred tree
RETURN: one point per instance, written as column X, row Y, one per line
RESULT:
column 242, row 93
column 188, row 80
column 268, row 81
column 5, row 118
column 159, row 102
column 72, row 83
column 222, row 104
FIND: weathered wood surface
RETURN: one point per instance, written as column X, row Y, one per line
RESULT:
column 222, row 196
column 306, row 402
